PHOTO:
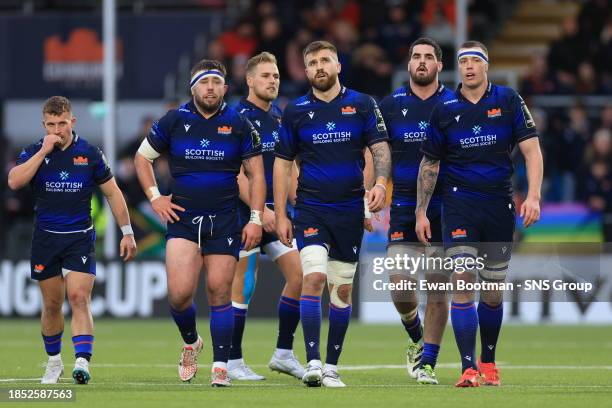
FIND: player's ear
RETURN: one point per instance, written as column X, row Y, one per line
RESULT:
column 339, row 66
column 249, row 80
column 440, row 66
column 73, row 120
column 225, row 88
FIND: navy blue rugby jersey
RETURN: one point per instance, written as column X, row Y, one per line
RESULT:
column 328, row 139
column 64, row 183
column 205, row 155
column 407, row 119
column 476, row 140
column 267, row 124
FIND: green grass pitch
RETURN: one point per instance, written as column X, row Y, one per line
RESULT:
column 135, row 365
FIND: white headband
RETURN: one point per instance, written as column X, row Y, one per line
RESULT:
column 205, row 73
column 472, row 52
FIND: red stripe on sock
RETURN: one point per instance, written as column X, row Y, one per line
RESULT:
column 290, row 304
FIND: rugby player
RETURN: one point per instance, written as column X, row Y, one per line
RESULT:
column 207, row 142
column 63, row 170
column 263, row 80
column 406, row 112
column 327, row 131
column 474, row 134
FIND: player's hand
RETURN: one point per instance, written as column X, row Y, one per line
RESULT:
column 49, row 143
column 423, row 229
column 268, row 221
column 127, row 247
column 251, row 236
column 165, row 208
column 284, row 231
column 530, row 211
column 376, row 198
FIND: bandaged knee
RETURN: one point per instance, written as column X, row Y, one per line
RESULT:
column 338, row 274
column 464, row 258
column 494, row 271
column 314, row 259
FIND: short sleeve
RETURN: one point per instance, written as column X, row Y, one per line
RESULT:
column 375, row 130
column 287, row 146
column 159, row 135
column 27, row 153
column 434, row 144
column 251, row 140
column 102, row 172
column 523, row 126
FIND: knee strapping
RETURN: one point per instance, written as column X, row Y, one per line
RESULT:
column 340, row 273
column 314, row 259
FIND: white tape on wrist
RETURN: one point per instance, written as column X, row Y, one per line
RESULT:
column 155, row 194
column 127, row 230
column 366, row 209
column 255, row 217
column 381, row 186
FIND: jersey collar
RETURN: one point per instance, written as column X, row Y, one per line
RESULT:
column 488, row 92
column 440, row 89
column 340, row 95
column 195, row 111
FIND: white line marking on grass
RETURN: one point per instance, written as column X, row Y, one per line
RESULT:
column 501, row 364
column 33, row 381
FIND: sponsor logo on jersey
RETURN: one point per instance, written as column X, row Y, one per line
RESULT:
column 204, row 153
column 478, row 140
column 80, row 161
column 348, row 110
column 459, row 233
column 311, row 232
column 494, row 113
column 224, row 130
column 397, row 236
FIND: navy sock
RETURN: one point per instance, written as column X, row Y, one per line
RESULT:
column 83, row 346
column 430, row 354
column 186, row 322
column 221, row 327
column 414, row 328
column 310, row 312
column 239, row 322
column 288, row 319
column 465, row 324
column 338, row 325
column 53, row 344
column 490, row 322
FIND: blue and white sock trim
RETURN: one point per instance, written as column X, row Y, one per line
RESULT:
column 473, row 52
column 203, row 74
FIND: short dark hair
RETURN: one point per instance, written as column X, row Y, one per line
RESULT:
column 427, row 41
column 260, row 59
column 475, row 44
column 317, row 46
column 206, row 64
column 56, row 105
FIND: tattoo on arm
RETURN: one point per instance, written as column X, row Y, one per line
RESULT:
column 381, row 156
column 426, row 181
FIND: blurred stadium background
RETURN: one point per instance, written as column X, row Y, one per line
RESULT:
column 557, row 53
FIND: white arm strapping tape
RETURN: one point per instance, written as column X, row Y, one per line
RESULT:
column 147, row 151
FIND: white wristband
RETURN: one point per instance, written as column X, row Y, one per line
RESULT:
column 127, row 230
column 155, row 194
column 255, row 217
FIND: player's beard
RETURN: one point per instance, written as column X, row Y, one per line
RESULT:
column 207, row 107
column 266, row 96
column 324, row 85
column 422, row 80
